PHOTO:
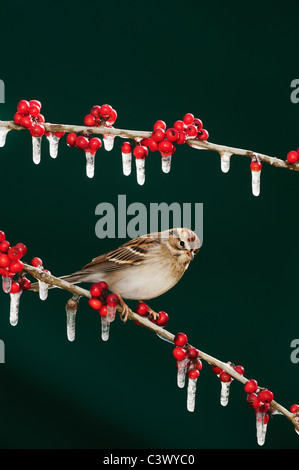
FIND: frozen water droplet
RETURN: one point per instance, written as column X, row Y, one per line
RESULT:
column 108, row 141
column 261, row 428
column 105, row 325
column 53, row 144
column 36, row 149
column 111, row 311
column 6, row 284
column 140, row 170
column 127, row 163
column 224, row 393
column 166, row 164
column 71, row 311
column 3, row 134
column 256, row 182
column 191, row 392
column 90, row 164
column 225, row 161
column 43, row 290
column 181, row 374
column 14, row 308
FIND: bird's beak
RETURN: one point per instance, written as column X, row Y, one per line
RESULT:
column 190, row 255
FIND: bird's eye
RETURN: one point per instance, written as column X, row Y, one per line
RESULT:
column 182, row 243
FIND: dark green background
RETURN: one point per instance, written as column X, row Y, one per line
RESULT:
column 229, row 64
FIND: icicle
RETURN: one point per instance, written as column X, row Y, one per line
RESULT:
column 140, row 170
column 261, row 427
column 53, row 144
column 111, row 313
column 191, row 391
column 14, row 308
column 3, row 134
column 105, row 325
column 225, row 161
column 90, row 164
column 224, row 393
column 108, row 142
column 181, row 375
column 71, row 310
column 127, row 163
column 6, row 284
column 166, row 164
column 43, row 290
column 255, row 167
column 36, row 149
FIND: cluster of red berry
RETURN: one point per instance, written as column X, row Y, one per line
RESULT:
column 165, row 140
column 144, row 310
column 224, row 376
column 293, row 156
column 258, row 399
column 100, row 299
column 183, row 352
column 28, row 115
column 11, row 264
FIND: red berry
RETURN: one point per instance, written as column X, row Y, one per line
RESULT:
column 23, row 106
column 172, row 134
column 193, row 373
column 142, row 308
column 250, row 386
column 14, row 253
column 225, row 377
column 191, row 131
column 239, row 369
column 180, row 339
column 4, row 261
column 37, row 130
column 39, row 118
column 253, row 401
column 95, row 303
column 163, row 319
column 198, row 364
column 106, row 111
column 104, row 285
column 203, row 134
column 89, row 120
column 59, row 134
column 264, row 407
column 95, row 111
column 2, row 236
column 4, row 246
column 17, row 118
column 217, row 370
column 34, row 110
column 294, row 408
column 82, row 142
column 95, row 143
column 188, row 119
column 140, row 152
column 16, row 266
column 25, row 121
column 36, row 262
column 159, row 125
column 255, row 165
column 112, row 300
column 179, row 125
column 35, row 103
column 179, row 354
column 126, row 147
column 96, row 290
column 266, row 396
column 198, row 123
column 292, row 157
column 112, row 118
column 15, row 287
column 158, row 134
column 152, row 145
column 103, row 311
column 71, row 139
column 192, row 353
column 25, row 284
column 182, row 138
column 166, row 147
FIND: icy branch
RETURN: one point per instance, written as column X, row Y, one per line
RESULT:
column 162, row 332
column 137, row 135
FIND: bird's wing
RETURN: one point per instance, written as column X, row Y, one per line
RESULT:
column 131, row 253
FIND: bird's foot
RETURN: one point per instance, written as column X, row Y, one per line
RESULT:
column 126, row 311
column 153, row 315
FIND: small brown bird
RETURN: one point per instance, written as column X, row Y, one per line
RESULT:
column 143, row 268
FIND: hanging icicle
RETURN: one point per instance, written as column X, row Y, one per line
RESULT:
column 3, row 134
column 193, row 375
column 256, row 168
column 71, row 311
column 181, row 374
column 225, row 161
column 126, row 154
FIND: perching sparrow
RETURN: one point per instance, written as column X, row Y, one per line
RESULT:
column 144, row 267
